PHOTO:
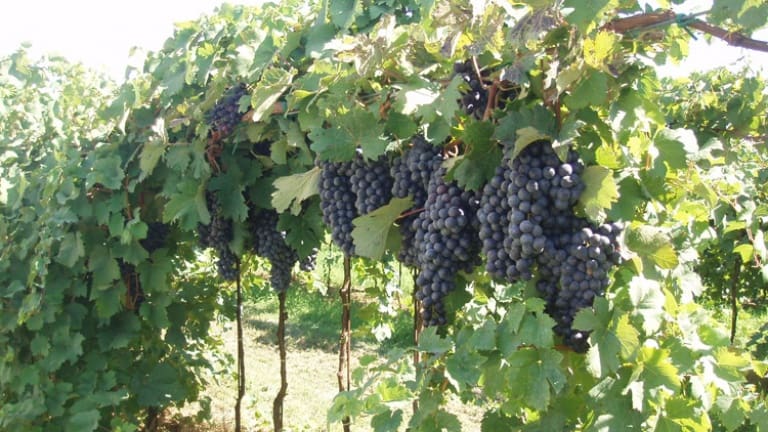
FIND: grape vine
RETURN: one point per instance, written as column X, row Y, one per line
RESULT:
column 555, row 235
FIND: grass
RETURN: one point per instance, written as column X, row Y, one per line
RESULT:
column 312, row 335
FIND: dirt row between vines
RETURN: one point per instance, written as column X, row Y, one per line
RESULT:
column 312, row 362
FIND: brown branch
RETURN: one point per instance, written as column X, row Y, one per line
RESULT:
column 735, row 273
column 418, row 325
column 240, row 354
column 493, row 102
column 640, row 21
column 732, row 38
column 277, row 405
column 346, row 334
column 653, row 19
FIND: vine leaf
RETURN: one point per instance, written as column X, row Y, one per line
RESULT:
column 675, row 147
column 104, row 268
column 584, row 12
column 229, row 187
column 84, row 421
column 475, row 167
column 364, row 131
column 537, row 370
column 153, row 149
column 188, row 205
column 370, row 232
column 655, row 369
column 303, row 232
column 387, row 420
column 105, row 170
column 343, row 13
column 611, row 338
column 590, row 91
column 653, row 244
column 430, row 341
column 745, row 250
column 292, row 190
column 521, row 128
column 71, row 249
column 648, row 298
column 270, row 88
column 600, row 193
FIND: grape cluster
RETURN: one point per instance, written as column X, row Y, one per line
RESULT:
column 217, row 235
column 337, row 202
column 225, row 115
column 269, row 243
column 134, row 295
column 447, row 241
column 527, row 222
column 309, row 262
column 411, row 173
column 371, row 183
column 476, row 100
column 493, row 217
column 157, row 233
column 574, row 272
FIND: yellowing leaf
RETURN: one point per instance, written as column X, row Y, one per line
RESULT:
column 294, row 189
column 600, row 192
column 652, row 243
column 745, row 250
column 597, row 51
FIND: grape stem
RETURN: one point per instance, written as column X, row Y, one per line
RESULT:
column 477, row 73
column 493, row 92
column 410, row 213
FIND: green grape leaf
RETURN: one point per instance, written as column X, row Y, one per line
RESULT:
column 274, row 81
column 585, row 14
column 676, row 147
column 304, row 232
column 371, row 231
column 651, row 243
column 365, row 132
column 600, row 192
column 647, row 296
column 292, row 190
column 103, row 266
column 431, row 342
column 593, row 90
column 332, row 144
column 631, row 200
column 521, row 128
column 106, row 171
column 654, row 367
column 387, row 421
column 402, row 126
column 611, row 337
column 187, row 205
column 343, row 12
column 538, row 371
column 484, row 337
column 153, row 149
column 160, row 386
column 463, row 368
column 478, row 164
column 40, row 346
column 71, row 249
column 229, row 189
column 83, row 421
